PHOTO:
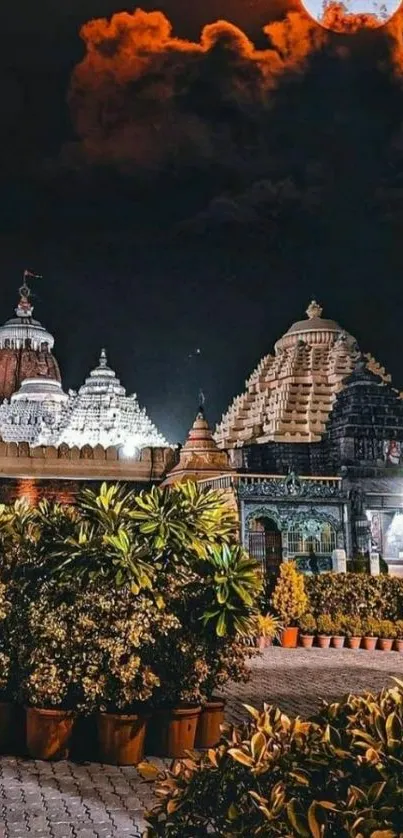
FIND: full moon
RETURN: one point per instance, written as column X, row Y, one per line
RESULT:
column 351, row 15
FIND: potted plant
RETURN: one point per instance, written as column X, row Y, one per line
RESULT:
column 325, row 630
column 307, row 629
column 353, row 631
column 181, row 664
column 268, row 629
column 7, row 706
column 370, row 629
column 387, row 634
column 399, row 635
column 338, row 636
column 289, row 601
column 226, row 660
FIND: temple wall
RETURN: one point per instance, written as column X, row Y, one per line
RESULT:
column 58, row 473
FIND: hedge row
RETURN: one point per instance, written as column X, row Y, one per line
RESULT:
column 355, row 594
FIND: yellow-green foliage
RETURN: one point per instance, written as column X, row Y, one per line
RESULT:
column 289, row 599
column 337, row 776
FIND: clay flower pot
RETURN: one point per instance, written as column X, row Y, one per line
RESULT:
column 369, row 643
column 264, row 642
column 399, row 644
column 385, row 644
column 306, row 641
column 121, row 738
column 338, row 642
column 209, row 723
column 173, row 731
column 323, row 641
column 353, row 642
column 289, row 637
column 49, row 733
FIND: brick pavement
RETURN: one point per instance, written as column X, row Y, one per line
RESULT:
column 67, row 800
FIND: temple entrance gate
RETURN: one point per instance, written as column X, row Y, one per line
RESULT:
column 265, row 543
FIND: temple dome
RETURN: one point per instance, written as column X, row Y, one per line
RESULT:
column 102, row 414
column 314, row 330
column 200, row 456
column 25, row 348
column 290, row 394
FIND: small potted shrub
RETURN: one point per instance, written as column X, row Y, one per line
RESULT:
column 399, row 635
column 325, row 630
column 268, row 629
column 370, row 630
column 387, row 634
column 289, row 601
column 338, row 636
column 307, row 630
column 353, row 631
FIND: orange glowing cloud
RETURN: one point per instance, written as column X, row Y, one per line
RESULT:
column 142, row 96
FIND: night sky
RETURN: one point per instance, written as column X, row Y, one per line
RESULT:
column 196, row 194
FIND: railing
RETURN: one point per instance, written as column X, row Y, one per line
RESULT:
column 228, row 481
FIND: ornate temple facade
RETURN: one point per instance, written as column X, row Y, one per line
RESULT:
column 310, row 455
column 35, row 409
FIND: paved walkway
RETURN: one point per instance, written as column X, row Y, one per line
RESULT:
column 67, row 800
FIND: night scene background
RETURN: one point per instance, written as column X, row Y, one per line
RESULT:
column 185, row 191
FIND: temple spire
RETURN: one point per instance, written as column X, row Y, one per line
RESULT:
column 103, row 361
column 25, row 307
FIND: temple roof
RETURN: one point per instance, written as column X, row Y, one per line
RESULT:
column 289, row 396
column 200, row 456
column 25, row 348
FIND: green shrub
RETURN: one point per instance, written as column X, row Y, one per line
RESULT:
column 399, row 629
column 337, row 776
column 355, row 595
column 352, row 626
column 371, row 627
column 325, row 625
column 307, row 624
column 387, row 629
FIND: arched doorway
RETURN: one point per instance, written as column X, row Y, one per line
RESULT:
column 264, row 543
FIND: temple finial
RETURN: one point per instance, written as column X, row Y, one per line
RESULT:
column 202, row 400
column 103, row 361
column 314, row 310
column 25, row 307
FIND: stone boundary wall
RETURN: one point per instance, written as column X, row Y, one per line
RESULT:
column 18, row 460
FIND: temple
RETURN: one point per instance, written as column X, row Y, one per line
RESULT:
column 310, row 455
column 36, row 410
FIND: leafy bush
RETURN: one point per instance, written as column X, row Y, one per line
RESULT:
column 387, row 629
column 325, row 625
column 337, row 776
column 355, row 595
column 399, row 629
column 307, row 624
column 371, row 627
column 268, row 625
column 352, row 626
column 289, row 599
column 125, row 598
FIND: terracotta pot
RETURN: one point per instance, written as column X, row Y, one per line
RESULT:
column 353, row 642
column 306, row 640
column 399, row 644
column 289, row 637
column 173, row 731
column 121, row 738
column 49, row 733
column 264, row 643
column 8, row 726
column 385, row 644
column 369, row 643
column 323, row 641
column 338, row 642
column 208, row 726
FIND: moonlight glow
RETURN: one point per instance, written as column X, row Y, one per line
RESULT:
column 351, row 15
